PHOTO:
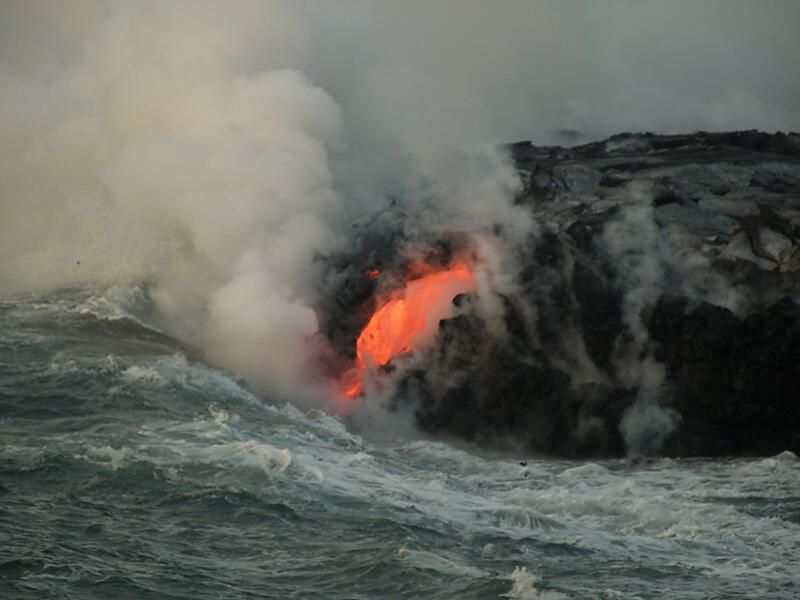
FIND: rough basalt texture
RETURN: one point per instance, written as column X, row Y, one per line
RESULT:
column 736, row 379
column 654, row 308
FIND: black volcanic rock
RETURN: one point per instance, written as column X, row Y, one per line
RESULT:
column 662, row 282
column 499, row 391
column 737, row 380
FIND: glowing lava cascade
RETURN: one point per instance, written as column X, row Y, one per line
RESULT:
column 408, row 322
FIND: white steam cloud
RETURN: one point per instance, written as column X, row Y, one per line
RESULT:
column 164, row 144
column 213, row 148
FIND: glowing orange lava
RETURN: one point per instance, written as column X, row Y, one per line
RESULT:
column 408, row 322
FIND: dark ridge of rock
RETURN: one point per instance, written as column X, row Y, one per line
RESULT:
column 599, row 313
column 737, row 381
column 663, row 279
column 498, row 391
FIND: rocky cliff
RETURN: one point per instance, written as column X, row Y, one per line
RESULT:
column 654, row 306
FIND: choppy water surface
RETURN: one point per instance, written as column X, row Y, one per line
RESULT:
column 128, row 470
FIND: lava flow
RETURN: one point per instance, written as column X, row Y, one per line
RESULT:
column 409, row 321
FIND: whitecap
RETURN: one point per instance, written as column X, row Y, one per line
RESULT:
column 137, row 374
column 523, row 587
column 587, row 470
column 252, row 454
column 117, row 457
column 787, row 456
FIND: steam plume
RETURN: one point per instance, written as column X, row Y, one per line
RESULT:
column 212, row 149
column 164, row 144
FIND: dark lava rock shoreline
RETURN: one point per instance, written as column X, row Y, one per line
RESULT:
column 655, row 307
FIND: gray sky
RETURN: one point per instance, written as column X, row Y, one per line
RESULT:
column 475, row 70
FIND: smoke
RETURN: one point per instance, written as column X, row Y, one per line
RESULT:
column 645, row 426
column 214, row 149
column 161, row 141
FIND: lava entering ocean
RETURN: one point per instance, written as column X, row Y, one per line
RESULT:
column 408, row 322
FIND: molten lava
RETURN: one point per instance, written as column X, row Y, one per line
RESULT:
column 410, row 321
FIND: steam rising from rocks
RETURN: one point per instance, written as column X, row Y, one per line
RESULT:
column 215, row 149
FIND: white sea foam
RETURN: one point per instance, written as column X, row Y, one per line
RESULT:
column 583, row 471
column 116, row 457
column 523, row 587
column 137, row 374
column 249, row 454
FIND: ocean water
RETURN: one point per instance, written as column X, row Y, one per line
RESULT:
column 131, row 469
